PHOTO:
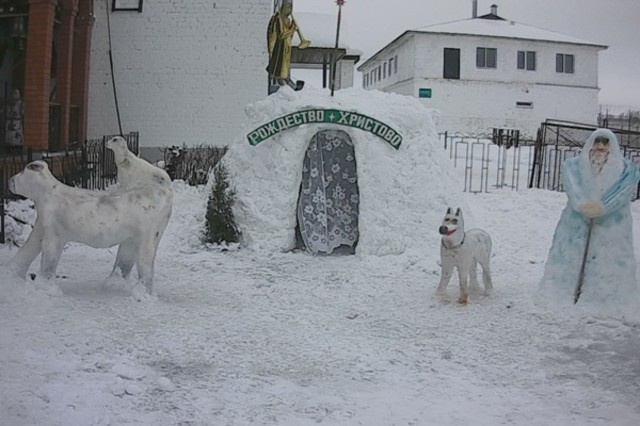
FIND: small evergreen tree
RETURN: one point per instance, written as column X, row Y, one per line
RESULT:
column 220, row 223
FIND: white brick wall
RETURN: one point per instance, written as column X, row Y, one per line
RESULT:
column 493, row 104
column 184, row 70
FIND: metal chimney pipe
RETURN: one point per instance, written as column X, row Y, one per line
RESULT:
column 474, row 9
column 494, row 9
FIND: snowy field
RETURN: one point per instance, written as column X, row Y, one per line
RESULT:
column 246, row 338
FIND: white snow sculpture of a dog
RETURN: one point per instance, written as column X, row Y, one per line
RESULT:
column 133, row 219
column 132, row 170
column 463, row 250
column 134, row 173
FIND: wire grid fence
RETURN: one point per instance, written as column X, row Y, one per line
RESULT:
column 558, row 141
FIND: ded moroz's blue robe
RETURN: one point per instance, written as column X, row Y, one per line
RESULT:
column 610, row 271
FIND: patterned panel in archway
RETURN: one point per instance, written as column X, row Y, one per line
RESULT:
column 328, row 204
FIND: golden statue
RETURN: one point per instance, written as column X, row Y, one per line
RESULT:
column 280, row 32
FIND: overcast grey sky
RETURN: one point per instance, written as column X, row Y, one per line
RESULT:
column 369, row 25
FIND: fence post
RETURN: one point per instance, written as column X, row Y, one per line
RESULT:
column 84, row 167
column 2, row 207
column 537, row 154
column 103, row 158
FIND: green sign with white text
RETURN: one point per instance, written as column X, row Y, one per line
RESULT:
column 326, row 116
column 424, row 92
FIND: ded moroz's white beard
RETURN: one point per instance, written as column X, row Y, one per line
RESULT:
column 598, row 160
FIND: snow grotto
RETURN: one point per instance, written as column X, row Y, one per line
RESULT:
column 361, row 172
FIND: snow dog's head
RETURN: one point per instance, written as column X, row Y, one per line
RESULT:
column 34, row 180
column 452, row 222
column 118, row 145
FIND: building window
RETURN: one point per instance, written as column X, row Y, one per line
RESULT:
column 127, row 5
column 451, row 63
column 384, row 70
column 395, row 65
column 365, row 80
column 564, row 63
column 379, row 72
column 526, row 60
column 390, row 66
column 528, row 105
column 486, row 57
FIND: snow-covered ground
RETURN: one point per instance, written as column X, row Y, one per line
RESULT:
column 240, row 337
column 264, row 337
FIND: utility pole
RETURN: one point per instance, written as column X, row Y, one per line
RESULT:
column 340, row 3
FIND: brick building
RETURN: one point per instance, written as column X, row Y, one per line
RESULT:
column 178, row 71
column 185, row 70
column 45, row 57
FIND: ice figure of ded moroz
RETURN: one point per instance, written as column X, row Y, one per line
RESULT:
column 599, row 184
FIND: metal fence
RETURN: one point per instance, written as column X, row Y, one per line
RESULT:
column 492, row 161
column 90, row 166
column 503, row 160
column 557, row 141
column 192, row 164
column 11, row 163
column 97, row 168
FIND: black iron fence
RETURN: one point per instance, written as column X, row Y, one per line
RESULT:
column 11, row 163
column 192, row 164
column 617, row 117
column 90, row 166
column 558, row 141
column 97, row 167
column 55, row 126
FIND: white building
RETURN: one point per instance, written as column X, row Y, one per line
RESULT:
column 185, row 70
column 487, row 72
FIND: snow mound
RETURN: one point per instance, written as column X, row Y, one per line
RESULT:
column 403, row 193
